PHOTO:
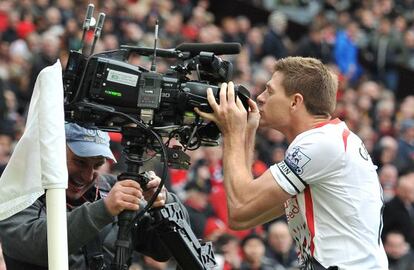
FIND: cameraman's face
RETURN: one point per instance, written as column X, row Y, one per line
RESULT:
column 82, row 173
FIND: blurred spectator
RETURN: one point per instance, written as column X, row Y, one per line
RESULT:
column 280, row 246
column 268, row 64
column 346, row 52
column 54, row 21
column 25, row 26
column 384, row 49
column 388, row 177
column 217, row 196
column 368, row 21
column 3, row 108
column 244, row 26
column 368, row 137
column 260, row 78
column 385, row 151
column 71, row 39
column 405, row 155
column 267, row 141
column 110, row 42
column 407, row 55
column 407, row 108
column 213, row 229
column 10, row 33
column 399, row 212
column 11, row 107
column 48, row 55
column 316, row 44
column 170, row 32
column 6, row 142
column 400, row 255
column 275, row 40
column 254, row 44
column 210, row 34
column 384, row 117
column 196, row 201
column 253, row 248
column 278, row 154
column 227, row 246
column 259, row 167
column 230, row 30
column 301, row 12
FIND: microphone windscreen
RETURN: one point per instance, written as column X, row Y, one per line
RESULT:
column 88, row 16
column 216, row 48
column 101, row 20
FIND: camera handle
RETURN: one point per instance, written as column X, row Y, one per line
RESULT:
column 123, row 243
column 133, row 141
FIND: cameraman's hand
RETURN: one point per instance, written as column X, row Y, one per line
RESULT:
column 124, row 195
column 152, row 187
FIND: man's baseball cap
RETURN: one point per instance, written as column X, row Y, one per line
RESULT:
column 88, row 142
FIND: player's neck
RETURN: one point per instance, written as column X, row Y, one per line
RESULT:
column 319, row 120
column 305, row 123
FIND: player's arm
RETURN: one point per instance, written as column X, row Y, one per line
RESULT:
column 259, row 218
column 250, row 201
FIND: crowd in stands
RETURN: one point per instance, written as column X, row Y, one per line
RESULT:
column 367, row 43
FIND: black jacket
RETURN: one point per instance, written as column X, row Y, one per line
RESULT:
column 24, row 239
column 397, row 218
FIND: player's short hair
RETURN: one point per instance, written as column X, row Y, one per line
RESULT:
column 313, row 80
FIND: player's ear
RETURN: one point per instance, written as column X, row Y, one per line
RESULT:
column 296, row 101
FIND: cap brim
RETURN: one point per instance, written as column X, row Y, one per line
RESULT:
column 91, row 149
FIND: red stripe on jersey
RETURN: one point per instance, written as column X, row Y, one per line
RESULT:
column 345, row 135
column 309, row 216
column 333, row 121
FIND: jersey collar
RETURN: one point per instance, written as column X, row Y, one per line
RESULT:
column 333, row 121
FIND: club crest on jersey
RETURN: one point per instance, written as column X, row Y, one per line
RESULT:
column 296, row 160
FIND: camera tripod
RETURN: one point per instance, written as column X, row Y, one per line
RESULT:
column 169, row 221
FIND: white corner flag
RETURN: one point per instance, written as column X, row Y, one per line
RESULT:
column 38, row 163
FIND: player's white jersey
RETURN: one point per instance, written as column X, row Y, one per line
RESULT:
column 335, row 213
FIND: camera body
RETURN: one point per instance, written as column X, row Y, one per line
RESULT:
column 100, row 87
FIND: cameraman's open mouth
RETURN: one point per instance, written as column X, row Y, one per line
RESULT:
column 76, row 184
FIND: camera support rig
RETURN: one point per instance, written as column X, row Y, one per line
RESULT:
column 106, row 92
column 168, row 221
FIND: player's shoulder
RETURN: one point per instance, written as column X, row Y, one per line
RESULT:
column 324, row 143
column 330, row 135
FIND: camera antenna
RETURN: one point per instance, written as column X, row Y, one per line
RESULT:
column 86, row 24
column 98, row 30
column 153, row 64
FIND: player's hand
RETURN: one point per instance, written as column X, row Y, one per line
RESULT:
column 230, row 115
column 124, row 195
column 253, row 118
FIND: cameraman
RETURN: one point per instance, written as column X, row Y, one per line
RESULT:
column 327, row 184
column 93, row 202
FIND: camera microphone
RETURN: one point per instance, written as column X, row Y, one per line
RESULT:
column 86, row 23
column 153, row 63
column 216, row 48
column 98, row 30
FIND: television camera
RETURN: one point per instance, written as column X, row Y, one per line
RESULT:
column 105, row 91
